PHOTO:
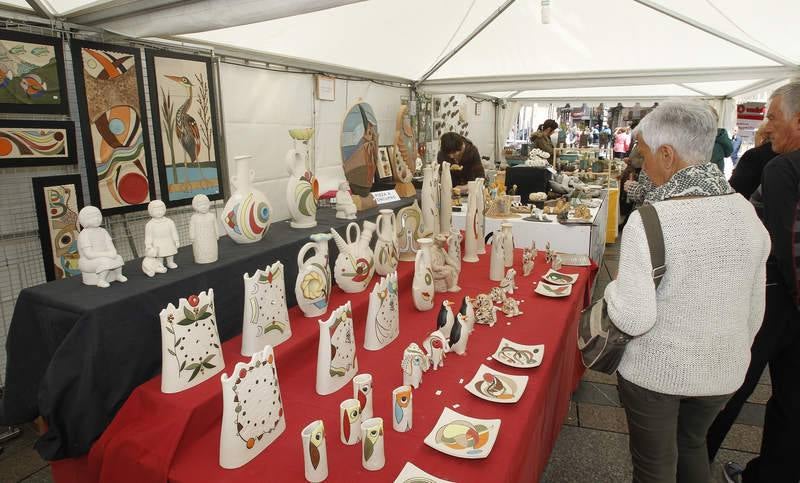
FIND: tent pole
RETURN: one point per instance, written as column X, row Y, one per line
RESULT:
column 40, row 9
column 467, row 40
column 704, row 94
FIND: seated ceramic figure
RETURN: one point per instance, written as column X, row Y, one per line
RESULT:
column 345, row 206
column 445, row 266
column 511, row 307
column 508, row 284
column 160, row 239
column 99, row 262
column 203, row 231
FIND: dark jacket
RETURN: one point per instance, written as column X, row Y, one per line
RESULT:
column 722, row 149
column 747, row 175
column 542, row 141
column 737, row 143
column 472, row 166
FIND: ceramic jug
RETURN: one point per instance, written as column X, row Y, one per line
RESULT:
column 386, row 256
column 497, row 265
column 445, row 199
column 355, row 264
column 471, row 236
column 313, row 285
column 508, row 246
column 302, row 192
column 422, row 285
column 247, row 214
column 481, row 217
column 430, row 211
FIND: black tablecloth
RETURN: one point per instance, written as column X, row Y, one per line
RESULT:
column 528, row 180
column 76, row 352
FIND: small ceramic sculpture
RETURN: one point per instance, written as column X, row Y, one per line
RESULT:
column 430, row 210
column 383, row 314
column 409, row 230
column 302, row 192
column 160, row 237
column 252, row 410
column 359, row 150
column 437, row 347
column 472, row 236
column 480, row 218
column 312, row 288
column 265, row 318
column 497, row 260
column 203, row 231
column 511, row 307
column 508, row 244
column 362, row 390
column 548, row 253
column 402, row 409
column 468, row 312
column 445, row 199
column 152, row 266
column 422, row 288
column 372, row 455
column 99, row 262
column 459, row 336
column 349, row 422
column 486, row 312
column 405, row 150
column 454, row 246
column 315, row 452
column 556, row 262
column 444, row 265
column 415, row 363
column 345, row 207
column 247, row 213
column 336, row 356
column 355, row 264
column 498, row 295
column 445, row 319
column 386, row 251
column 527, row 261
column 508, row 284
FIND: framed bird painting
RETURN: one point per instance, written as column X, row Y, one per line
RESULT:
column 110, row 92
column 182, row 97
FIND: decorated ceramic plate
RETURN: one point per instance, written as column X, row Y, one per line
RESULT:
column 557, row 278
column 518, row 355
column 549, row 290
column 574, row 260
column 463, row 436
column 496, row 386
column 412, row 474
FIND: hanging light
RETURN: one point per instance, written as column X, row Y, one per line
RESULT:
column 545, row 12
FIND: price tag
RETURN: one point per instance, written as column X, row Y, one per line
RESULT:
column 383, row 197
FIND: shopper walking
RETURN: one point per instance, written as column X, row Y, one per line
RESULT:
column 689, row 350
column 622, row 142
column 736, row 141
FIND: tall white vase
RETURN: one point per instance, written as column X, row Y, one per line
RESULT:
column 302, row 192
column 383, row 315
column 266, row 319
column 247, row 214
column 422, row 288
column 446, row 199
column 312, row 287
column 481, row 217
column 454, row 246
column 497, row 265
column 429, row 209
column 349, row 422
column 315, row 452
column 372, row 455
column 336, row 355
column 402, row 409
column 472, row 237
column 386, row 251
column 508, row 244
column 362, row 390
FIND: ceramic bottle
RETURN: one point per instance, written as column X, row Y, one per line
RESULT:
column 445, row 199
column 386, row 255
column 402, row 409
column 313, row 285
column 372, row 455
column 355, row 264
column 508, row 245
column 302, row 192
column 265, row 316
column 497, row 264
column 336, row 354
column 481, row 216
column 315, row 453
column 471, row 236
column 247, row 214
column 383, row 314
column 422, row 288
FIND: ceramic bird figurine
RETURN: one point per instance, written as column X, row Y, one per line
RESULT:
column 445, row 320
column 436, row 347
column 415, row 364
column 459, row 336
column 468, row 312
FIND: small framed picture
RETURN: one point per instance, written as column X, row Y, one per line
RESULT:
column 384, row 165
column 326, row 88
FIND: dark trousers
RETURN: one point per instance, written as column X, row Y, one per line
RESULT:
column 668, row 434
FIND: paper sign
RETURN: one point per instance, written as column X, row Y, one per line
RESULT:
column 383, row 197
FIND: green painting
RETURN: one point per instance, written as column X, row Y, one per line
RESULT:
column 31, row 74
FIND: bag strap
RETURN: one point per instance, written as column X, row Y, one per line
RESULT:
column 655, row 240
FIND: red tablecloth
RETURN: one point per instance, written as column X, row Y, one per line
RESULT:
column 175, row 437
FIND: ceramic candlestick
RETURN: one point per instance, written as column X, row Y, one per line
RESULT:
column 372, row 455
column 454, row 247
column 402, row 409
column 481, row 217
column 99, row 262
column 349, row 422
column 415, row 363
column 430, row 210
column 315, row 452
column 362, row 390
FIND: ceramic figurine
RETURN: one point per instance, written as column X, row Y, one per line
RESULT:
column 266, row 319
column 383, row 315
column 252, row 410
column 345, row 207
column 444, row 265
column 355, row 264
column 152, row 266
column 445, row 319
column 405, row 151
column 468, row 311
column 247, row 214
column 415, row 364
column 430, row 211
column 315, row 453
column 472, row 237
column 497, row 262
column 336, row 356
column 402, row 409
column 454, row 246
column 386, row 255
column 203, row 231
column 362, row 390
column 511, row 307
column 498, row 295
column 486, row 312
column 548, row 253
column 527, row 261
column 480, row 219
column 422, row 288
column 312, row 288
column 556, row 262
column 349, row 422
column 302, row 192
column 160, row 237
column 508, row 284
column 508, row 244
column 437, row 200
column 409, row 230
column 99, row 262
column 190, row 347
column 459, row 336
column 372, row 456
column 445, row 199
column 436, row 347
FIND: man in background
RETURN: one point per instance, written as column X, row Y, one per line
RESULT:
column 736, row 140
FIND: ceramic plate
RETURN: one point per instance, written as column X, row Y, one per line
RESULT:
column 496, row 386
column 574, row 260
column 594, row 186
column 412, row 474
column 463, row 436
column 548, row 290
column 558, row 278
column 519, row 355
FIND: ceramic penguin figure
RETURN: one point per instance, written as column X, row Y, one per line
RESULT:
column 459, row 336
column 445, row 320
column 469, row 314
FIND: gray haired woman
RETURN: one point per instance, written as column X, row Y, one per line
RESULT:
column 691, row 337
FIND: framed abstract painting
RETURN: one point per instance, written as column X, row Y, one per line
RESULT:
column 182, row 95
column 32, row 76
column 58, row 200
column 110, row 91
column 37, row 143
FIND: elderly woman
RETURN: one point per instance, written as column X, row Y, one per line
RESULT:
column 691, row 340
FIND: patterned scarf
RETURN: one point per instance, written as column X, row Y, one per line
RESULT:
column 696, row 180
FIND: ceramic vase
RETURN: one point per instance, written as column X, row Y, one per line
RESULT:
column 203, row 231
column 266, row 319
column 471, row 236
column 312, row 287
column 372, row 455
column 315, row 452
column 386, row 256
column 252, row 410
column 247, row 214
column 430, row 212
column 362, row 390
column 98, row 261
column 355, row 264
column 454, row 246
column 436, row 347
column 383, row 315
column 402, row 409
column 508, row 244
column 446, row 199
column 336, row 354
column 415, row 363
column 302, row 192
column 481, row 216
column 497, row 264
column 349, row 422
column 409, row 230
column 422, row 288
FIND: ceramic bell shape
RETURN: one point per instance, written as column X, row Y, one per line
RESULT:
column 383, row 314
column 362, row 390
column 445, row 199
column 266, row 318
column 454, row 246
column 372, row 442
column 480, row 217
column 252, row 410
column 472, row 237
column 497, row 264
column 422, row 289
column 355, row 264
column 430, row 211
column 386, row 251
column 445, row 319
column 302, row 192
column 349, row 422
column 508, row 244
column 336, row 355
column 409, row 230
column 402, row 409
column 190, row 349
column 312, row 288
column 415, row 363
column 468, row 311
column 459, row 336
column 315, row 452
column 247, row 214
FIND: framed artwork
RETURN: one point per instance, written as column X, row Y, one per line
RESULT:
column 182, row 94
column 58, row 200
column 32, row 76
column 326, row 87
column 37, row 143
column 108, row 80
column 384, row 164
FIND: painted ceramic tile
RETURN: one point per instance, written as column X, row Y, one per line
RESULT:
column 543, row 288
column 496, row 386
column 557, row 278
column 359, row 145
column 266, row 318
column 37, row 143
column 412, row 474
column 32, row 74
column 518, row 355
column 58, row 201
column 462, row 436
